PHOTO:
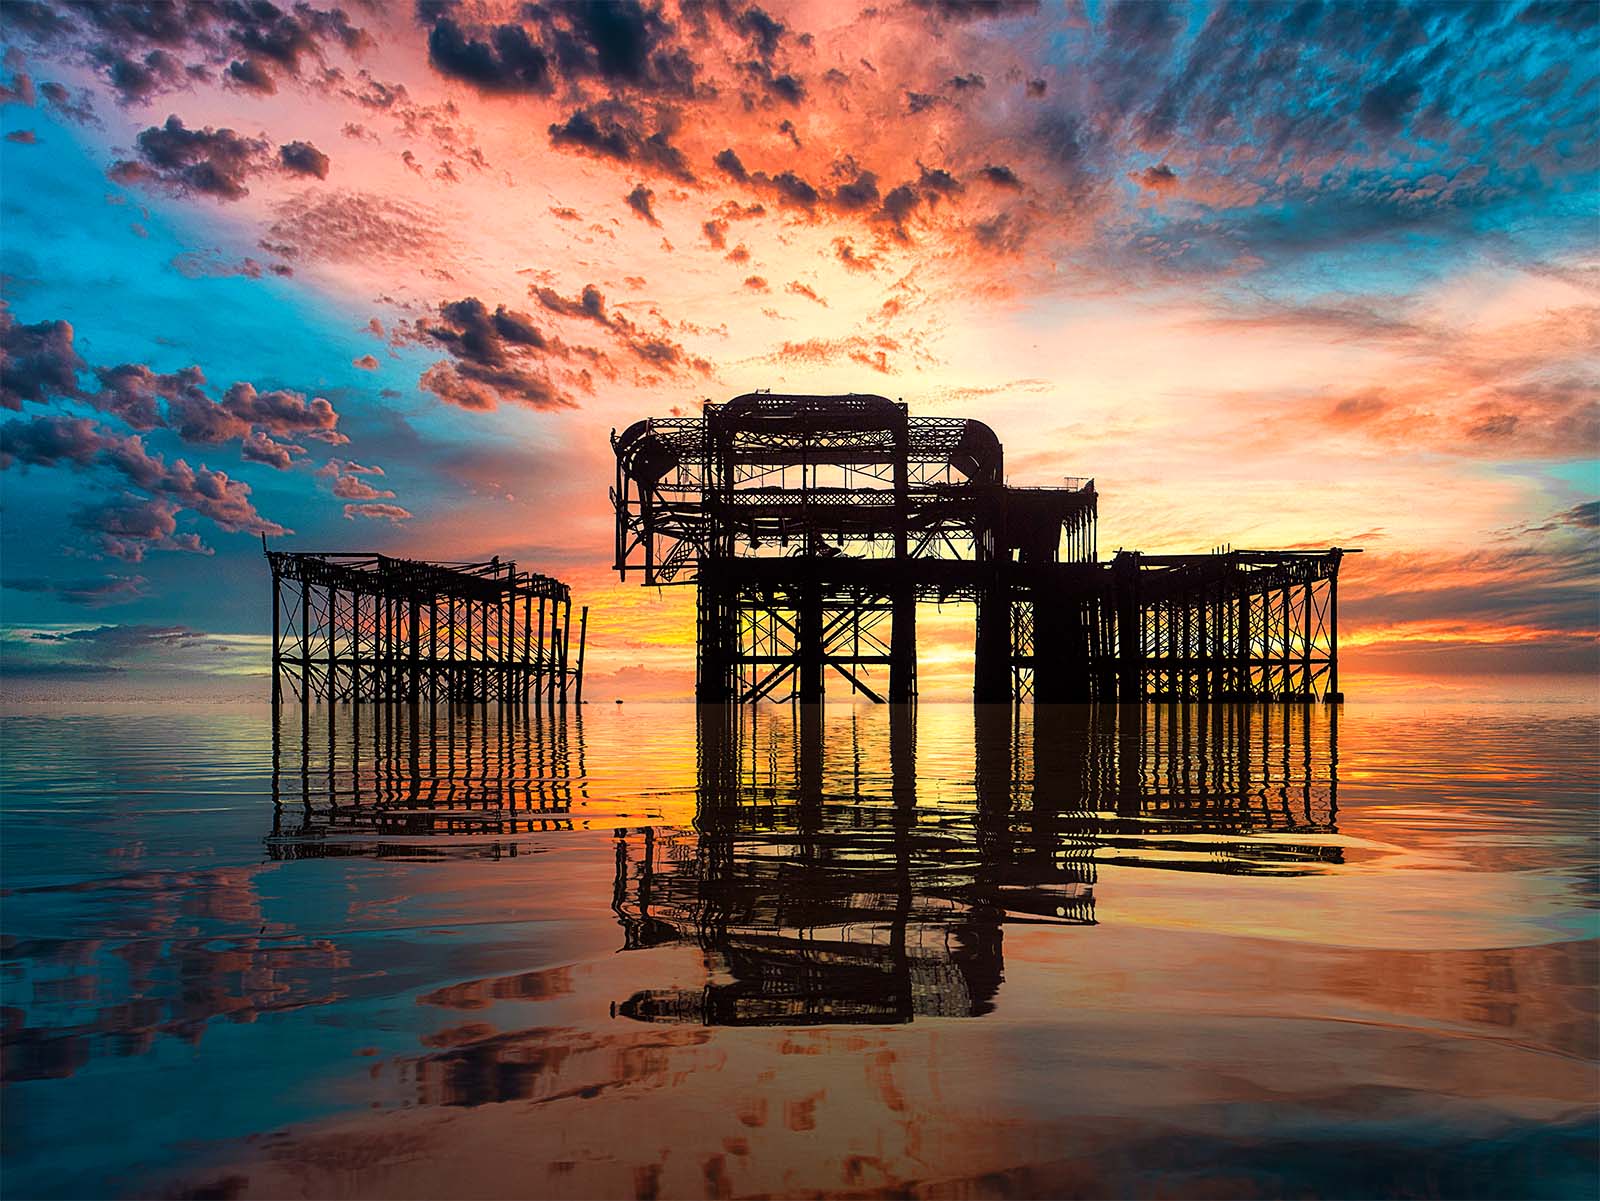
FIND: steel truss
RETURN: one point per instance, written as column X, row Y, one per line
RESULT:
column 812, row 526
column 364, row 627
column 1235, row 626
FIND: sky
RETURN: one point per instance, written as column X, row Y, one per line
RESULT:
column 385, row 277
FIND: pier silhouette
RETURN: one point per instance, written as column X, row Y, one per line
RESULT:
column 355, row 626
column 813, row 525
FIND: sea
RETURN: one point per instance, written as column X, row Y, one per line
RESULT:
column 942, row 951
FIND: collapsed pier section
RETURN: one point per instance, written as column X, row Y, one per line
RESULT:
column 369, row 627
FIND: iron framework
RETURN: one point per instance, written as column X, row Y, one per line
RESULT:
column 367, row 627
column 814, row 525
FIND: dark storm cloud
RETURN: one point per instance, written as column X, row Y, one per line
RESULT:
column 46, row 441
column 1582, row 516
column 505, row 60
column 763, row 29
column 209, row 162
column 496, row 356
column 1386, row 107
column 1003, row 233
column 782, row 86
column 1545, row 583
column 136, row 80
column 975, row 10
column 652, row 348
column 1585, row 516
column 589, row 305
column 728, row 163
column 620, row 43
column 936, row 181
column 859, row 189
column 302, row 158
column 1401, row 60
column 1145, row 26
column 37, row 362
column 616, row 130
column 1158, row 178
column 144, row 49
column 1000, row 176
column 898, row 205
column 35, row 19
column 858, row 195
column 250, row 75
column 1574, row 16
column 790, row 189
column 641, row 200
column 621, row 40
column 472, row 332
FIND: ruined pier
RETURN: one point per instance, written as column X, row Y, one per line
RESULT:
column 368, row 627
column 813, row 526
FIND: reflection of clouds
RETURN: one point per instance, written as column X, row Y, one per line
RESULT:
column 166, row 963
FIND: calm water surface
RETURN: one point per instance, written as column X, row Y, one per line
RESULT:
column 653, row 952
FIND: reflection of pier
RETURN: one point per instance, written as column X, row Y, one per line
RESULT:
column 813, row 525
column 829, row 891
column 830, row 900
column 379, row 777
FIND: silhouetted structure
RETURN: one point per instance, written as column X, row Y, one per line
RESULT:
column 810, row 523
column 366, row 627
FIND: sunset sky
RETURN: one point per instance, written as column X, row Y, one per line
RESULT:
column 385, row 277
